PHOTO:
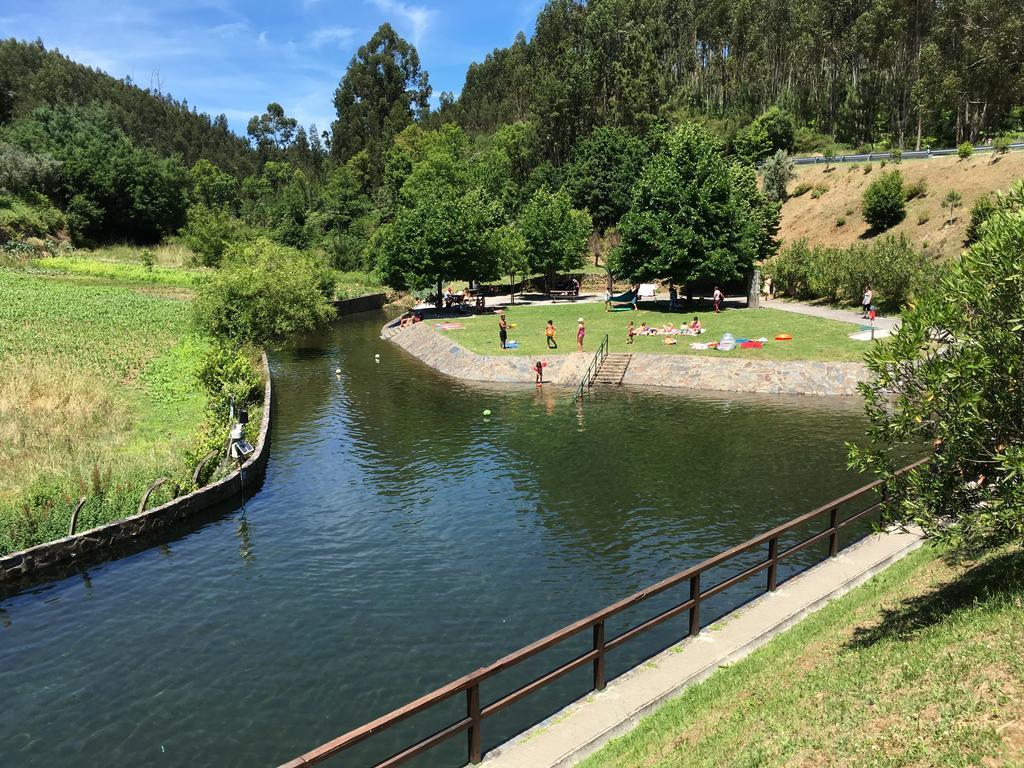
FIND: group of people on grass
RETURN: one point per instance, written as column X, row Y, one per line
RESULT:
column 693, row 328
column 550, row 333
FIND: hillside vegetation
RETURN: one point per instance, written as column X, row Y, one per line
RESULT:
column 816, row 218
column 919, row 667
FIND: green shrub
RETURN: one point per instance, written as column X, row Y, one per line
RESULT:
column 849, row 211
column 952, row 200
column 209, row 232
column 1001, row 145
column 228, row 374
column 776, row 174
column 965, row 150
column 917, row 189
column 264, row 291
column 922, row 218
column 802, row 188
column 867, row 168
column 29, row 216
column 819, row 190
column 896, row 155
column 982, row 209
column 883, row 201
column 840, row 221
column 891, row 266
column 853, row 167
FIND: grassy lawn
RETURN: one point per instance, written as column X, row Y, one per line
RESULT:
column 921, row 666
column 98, row 395
column 813, row 338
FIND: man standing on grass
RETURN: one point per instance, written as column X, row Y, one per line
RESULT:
column 607, row 300
column 502, row 330
column 717, row 298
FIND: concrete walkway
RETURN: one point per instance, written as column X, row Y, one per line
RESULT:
column 582, row 728
column 842, row 315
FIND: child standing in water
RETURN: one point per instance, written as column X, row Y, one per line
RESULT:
column 550, row 333
column 581, row 331
column 539, row 368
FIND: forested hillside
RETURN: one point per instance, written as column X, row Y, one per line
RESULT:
column 32, row 76
column 906, row 71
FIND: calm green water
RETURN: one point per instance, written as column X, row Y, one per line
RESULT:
column 400, row 541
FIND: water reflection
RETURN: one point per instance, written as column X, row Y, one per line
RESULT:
column 404, row 539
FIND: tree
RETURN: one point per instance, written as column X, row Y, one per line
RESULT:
column 949, row 379
column 273, row 130
column 210, row 231
column 690, row 218
column 829, row 153
column 444, row 234
column 952, row 200
column 382, row 92
column 884, row 201
column 511, row 252
column 212, row 187
column 555, row 234
column 771, row 131
column 777, row 171
column 264, row 292
column 601, row 175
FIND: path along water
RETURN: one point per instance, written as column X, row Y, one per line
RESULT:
column 400, row 540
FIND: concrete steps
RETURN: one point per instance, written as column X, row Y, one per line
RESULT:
column 612, row 369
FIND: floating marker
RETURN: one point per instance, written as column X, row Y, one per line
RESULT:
column 487, row 412
column 377, row 356
column 338, row 371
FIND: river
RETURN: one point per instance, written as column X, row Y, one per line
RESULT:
column 401, row 539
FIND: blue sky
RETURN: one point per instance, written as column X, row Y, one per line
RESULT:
column 234, row 57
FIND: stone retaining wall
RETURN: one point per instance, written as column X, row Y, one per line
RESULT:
column 360, row 303
column 94, row 544
column 450, row 358
column 720, row 373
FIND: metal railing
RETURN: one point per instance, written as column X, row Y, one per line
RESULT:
column 469, row 685
column 591, row 373
column 910, row 154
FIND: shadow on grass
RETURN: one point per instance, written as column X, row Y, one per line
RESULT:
column 998, row 575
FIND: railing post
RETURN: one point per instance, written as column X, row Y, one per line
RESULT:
column 695, row 608
column 599, row 681
column 773, row 550
column 473, row 712
column 833, row 524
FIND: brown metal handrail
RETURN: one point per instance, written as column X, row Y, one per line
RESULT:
column 470, row 684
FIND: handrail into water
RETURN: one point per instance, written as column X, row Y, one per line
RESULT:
column 595, row 365
column 470, row 684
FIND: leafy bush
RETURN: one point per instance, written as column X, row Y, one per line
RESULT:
column 891, row 266
column 840, row 221
column 802, row 188
column 965, row 150
column 916, row 189
column 264, row 291
column 228, row 374
column 29, row 216
column 1001, row 145
column 22, row 171
column 776, row 174
column 982, row 209
column 896, row 155
column 883, row 201
column 209, row 232
column 922, row 218
column 771, row 131
column 867, row 168
column 952, row 200
column 818, row 191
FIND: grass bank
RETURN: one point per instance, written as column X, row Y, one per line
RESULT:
column 921, row 666
column 813, row 338
column 98, row 396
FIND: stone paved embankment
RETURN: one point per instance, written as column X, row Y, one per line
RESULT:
column 801, row 377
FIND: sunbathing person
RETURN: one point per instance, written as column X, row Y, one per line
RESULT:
column 694, row 327
column 645, row 330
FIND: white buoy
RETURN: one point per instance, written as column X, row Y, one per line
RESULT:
column 487, row 412
column 338, row 371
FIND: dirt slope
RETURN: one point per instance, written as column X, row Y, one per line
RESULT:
column 816, row 219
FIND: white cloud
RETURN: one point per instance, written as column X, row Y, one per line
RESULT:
column 418, row 16
column 324, row 35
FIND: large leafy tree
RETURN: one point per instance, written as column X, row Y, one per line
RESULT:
column 695, row 216
column 949, row 383
column 382, row 92
column 601, row 175
column 555, row 234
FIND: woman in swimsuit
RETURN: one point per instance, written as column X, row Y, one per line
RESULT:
column 581, row 331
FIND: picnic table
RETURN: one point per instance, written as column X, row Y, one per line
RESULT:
column 570, row 295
